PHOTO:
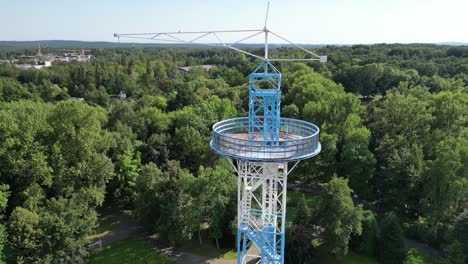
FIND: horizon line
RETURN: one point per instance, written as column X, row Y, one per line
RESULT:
column 460, row 43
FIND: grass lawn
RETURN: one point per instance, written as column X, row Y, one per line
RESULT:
column 351, row 258
column 130, row 250
column 418, row 257
column 105, row 226
column 207, row 249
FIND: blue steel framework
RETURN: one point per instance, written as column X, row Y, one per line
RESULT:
column 262, row 145
column 264, row 102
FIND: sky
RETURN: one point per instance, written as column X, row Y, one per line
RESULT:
column 301, row 21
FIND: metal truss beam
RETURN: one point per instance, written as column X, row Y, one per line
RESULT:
column 197, row 38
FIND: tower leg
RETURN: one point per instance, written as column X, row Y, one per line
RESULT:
column 261, row 211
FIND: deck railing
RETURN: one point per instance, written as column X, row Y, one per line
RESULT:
column 297, row 140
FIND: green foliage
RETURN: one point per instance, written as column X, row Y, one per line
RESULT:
column 3, row 240
column 400, row 125
column 146, row 186
column 151, row 120
column 447, row 180
column 319, row 100
column 357, row 162
column 405, row 153
column 368, row 241
column 460, row 231
column 298, row 247
column 163, row 204
column 351, row 258
column 4, row 194
column 55, row 159
column 419, row 230
column 339, row 216
column 12, row 90
column 372, row 78
column 303, row 212
column 55, row 234
column 127, row 167
column 322, row 101
column 392, row 248
column 216, row 191
column 189, row 142
column 24, row 236
column 178, row 218
column 416, row 256
column 324, row 166
column 455, row 253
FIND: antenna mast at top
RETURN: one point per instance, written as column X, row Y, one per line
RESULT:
column 266, row 17
column 266, row 32
column 196, row 38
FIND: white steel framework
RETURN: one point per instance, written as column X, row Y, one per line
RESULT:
column 261, row 211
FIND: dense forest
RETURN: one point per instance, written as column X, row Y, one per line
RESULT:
column 393, row 166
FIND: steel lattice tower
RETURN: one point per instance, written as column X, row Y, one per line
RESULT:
column 260, row 146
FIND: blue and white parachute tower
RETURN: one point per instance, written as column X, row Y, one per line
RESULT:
column 260, row 146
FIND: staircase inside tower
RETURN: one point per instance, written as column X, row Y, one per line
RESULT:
column 258, row 224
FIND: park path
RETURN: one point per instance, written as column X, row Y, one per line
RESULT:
column 424, row 248
column 128, row 228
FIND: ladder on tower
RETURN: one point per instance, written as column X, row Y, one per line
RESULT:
column 245, row 207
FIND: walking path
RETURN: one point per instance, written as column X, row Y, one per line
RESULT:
column 128, row 227
column 424, row 248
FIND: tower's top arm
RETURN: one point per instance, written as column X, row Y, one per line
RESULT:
column 197, row 38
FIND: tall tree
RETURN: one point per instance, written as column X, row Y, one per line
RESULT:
column 455, row 253
column 392, row 248
column 4, row 194
column 460, row 231
column 447, row 180
column 216, row 191
column 303, row 212
column 339, row 217
column 357, row 162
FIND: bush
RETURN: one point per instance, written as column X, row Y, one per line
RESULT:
column 299, row 248
column 460, row 231
column 367, row 242
column 392, row 248
column 455, row 253
column 418, row 230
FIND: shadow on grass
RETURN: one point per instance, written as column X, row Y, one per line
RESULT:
column 208, row 248
column 131, row 250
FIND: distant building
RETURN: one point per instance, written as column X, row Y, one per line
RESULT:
column 122, row 95
column 73, row 56
column 188, row 68
column 40, row 61
column 38, row 65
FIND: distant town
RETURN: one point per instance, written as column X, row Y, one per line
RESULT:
column 40, row 60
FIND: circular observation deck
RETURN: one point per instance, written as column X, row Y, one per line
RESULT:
column 298, row 140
